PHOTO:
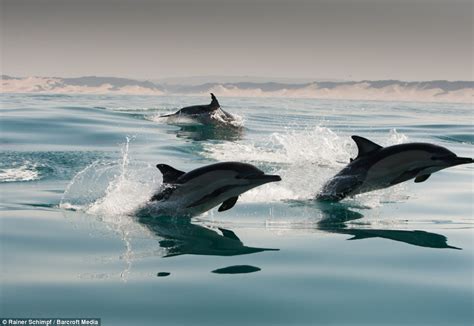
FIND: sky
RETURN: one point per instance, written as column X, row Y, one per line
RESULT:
column 145, row 39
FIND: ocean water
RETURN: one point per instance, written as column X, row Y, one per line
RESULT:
column 74, row 168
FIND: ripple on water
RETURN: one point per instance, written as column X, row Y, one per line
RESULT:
column 458, row 138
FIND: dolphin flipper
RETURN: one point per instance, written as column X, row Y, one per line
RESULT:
column 228, row 204
column 410, row 174
column 422, row 178
column 170, row 174
column 404, row 177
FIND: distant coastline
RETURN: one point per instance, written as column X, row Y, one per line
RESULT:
column 382, row 90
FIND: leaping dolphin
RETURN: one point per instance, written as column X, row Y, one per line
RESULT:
column 199, row 190
column 377, row 167
column 204, row 113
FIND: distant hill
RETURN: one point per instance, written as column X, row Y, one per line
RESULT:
column 81, row 85
column 199, row 80
column 383, row 90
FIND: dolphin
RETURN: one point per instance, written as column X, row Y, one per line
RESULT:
column 199, row 190
column 204, row 113
column 377, row 167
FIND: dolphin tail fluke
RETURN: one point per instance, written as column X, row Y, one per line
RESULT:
column 214, row 102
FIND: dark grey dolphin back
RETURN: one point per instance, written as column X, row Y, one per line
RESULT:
column 243, row 169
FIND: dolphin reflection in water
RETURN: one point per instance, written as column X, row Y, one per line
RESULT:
column 181, row 237
column 335, row 216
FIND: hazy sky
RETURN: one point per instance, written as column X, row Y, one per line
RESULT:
column 342, row 39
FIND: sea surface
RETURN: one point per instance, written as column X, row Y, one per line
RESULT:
column 75, row 168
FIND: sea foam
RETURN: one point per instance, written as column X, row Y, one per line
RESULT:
column 26, row 172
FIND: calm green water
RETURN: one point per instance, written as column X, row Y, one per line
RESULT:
column 73, row 169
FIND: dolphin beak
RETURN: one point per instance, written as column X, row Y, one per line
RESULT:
column 263, row 178
column 461, row 160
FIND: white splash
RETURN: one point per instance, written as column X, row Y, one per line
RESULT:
column 125, row 193
column 111, row 189
column 26, row 172
column 175, row 119
column 318, row 145
column 396, row 138
column 224, row 118
column 112, row 192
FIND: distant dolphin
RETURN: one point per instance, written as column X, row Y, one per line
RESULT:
column 201, row 189
column 204, row 113
column 377, row 167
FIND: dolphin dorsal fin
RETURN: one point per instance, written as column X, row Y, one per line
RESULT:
column 365, row 146
column 214, row 103
column 170, row 174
